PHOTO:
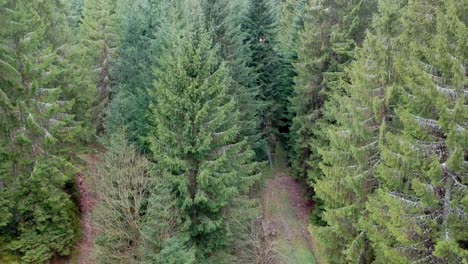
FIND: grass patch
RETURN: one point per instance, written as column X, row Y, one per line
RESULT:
column 291, row 241
column 292, row 244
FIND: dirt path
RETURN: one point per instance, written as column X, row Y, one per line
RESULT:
column 287, row 210
column 87, row 203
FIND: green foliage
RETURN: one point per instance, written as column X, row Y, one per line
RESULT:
column 332, row 30
column 370, row 94
column 98, row 38
column 195, row 137
column 290, row 23
column 223, row 19
column 392, row 174
column 362, row 111
column 419, row 212
column 133, row 75
column 161, row 224
column 175, row 251
column 271, row 70
column 38, row 217
column 46, row 216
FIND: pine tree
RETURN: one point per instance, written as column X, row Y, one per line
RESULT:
column 121, row 182
column 223, row 19
column 35, row 174
column 98, row 40
column 332, row 32
column 195, row 136
column 133, row 72
column 270, row 68
column 418, row 214
column 163, row 241
column 290, row 24
column 363, row 112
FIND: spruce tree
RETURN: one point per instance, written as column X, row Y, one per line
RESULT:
column 223, row 20
column 195, row 135
column 308, row 96
column 39, row 220
column 98, row 40
column 363, row 111
column 290, row 23
column 419, row 213
column 163, row 239
column 133, row 73
column 332, row 31
column 260, row 25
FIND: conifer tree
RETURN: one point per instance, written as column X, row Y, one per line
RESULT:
column 98, row 40
column 363, row 112
column 133, row 72
column 195, row 137
column 270, row 67
column 76, row 8
column 419, row 213
column 163, row 239
column 223, row 19
column 290, row 24
column 39, row 219
column 332, row 31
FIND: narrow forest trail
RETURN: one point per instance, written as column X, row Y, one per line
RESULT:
column 286, row 211
column 87, row 202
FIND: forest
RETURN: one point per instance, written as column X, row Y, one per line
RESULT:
column 175, row 131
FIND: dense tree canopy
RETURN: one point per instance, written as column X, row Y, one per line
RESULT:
column 170, row 110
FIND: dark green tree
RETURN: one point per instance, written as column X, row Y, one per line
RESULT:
column 195, row 136
column 332, row 31
column 270, row 70
column 38, row 218
column 223, row 19
column 133, row 75
column 98, row 39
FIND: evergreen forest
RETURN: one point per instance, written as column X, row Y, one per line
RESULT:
column 228, row 131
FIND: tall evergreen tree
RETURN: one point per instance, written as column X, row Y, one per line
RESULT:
column 270, row 66
column 195, row 137
column 98, row 40
column 133, row 73
column 38, row 217
column 332, row 31
column 419, row 213
column 290, row 24
column 223, row 19
column 363, row 111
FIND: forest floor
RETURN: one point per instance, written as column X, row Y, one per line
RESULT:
column 286, row 211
